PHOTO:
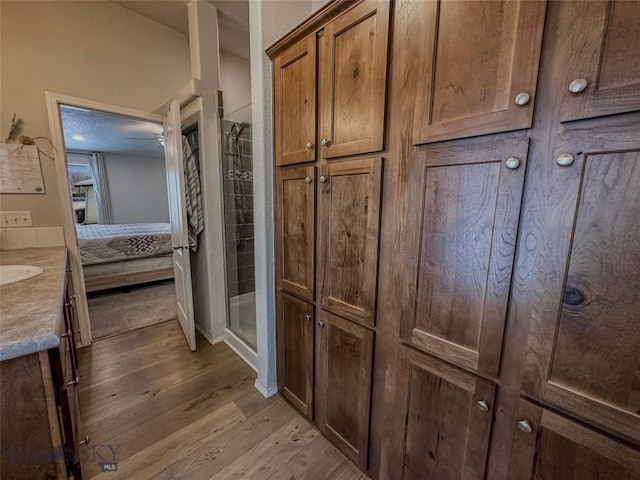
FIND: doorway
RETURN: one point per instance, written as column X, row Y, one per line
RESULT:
column 117, row 175
column 126, row 227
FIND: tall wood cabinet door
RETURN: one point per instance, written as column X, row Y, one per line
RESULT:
column 464, row 212
column 295, row 351
column 448, row 416
column 547, row 446
column 294, row 87
column 598, row 45
column 479, row 67
column 349, row 212
column 584, row 339
column 295, row 234
column 343, row 384
column 353, row 80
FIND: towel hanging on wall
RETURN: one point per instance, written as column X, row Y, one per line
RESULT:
column 193, row 194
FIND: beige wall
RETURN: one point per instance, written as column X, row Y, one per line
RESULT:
column 89, row 49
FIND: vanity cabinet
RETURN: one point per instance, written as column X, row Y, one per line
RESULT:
column 478, row 66
column 448, row 414
column 548, row 446
column 600, row 61
column 465, row 210
column 40, row 408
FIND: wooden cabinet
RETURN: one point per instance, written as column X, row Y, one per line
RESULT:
column 295, row 230
column 547, row 446
column 464, row 212
column 349, row 219
column 600, row 61
column 294, row 92
column 296, row 338
column 344, row 361
column 447, row 419
column 479, row 66
column 353, row 80
column 584, row 342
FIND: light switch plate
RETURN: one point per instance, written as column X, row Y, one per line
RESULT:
column 15, row 219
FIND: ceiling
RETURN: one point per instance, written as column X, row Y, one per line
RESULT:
column 107, row 133
column 233, row 19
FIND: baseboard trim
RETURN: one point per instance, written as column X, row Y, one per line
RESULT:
column 264, row 390
column 241, row 348
column 210, row 339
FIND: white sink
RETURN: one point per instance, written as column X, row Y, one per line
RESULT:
column 17, row 273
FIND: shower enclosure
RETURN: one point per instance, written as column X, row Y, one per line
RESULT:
column 238, row 209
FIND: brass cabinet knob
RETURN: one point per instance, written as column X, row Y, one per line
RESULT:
column 512, row 163
column 325, row 142
column 307, row 317
column 308, row 180
column 524, row 426
column 84, row 441
column 74, row 382
column 564, row 159
column 482, row 406
column 321, row 323
column 578, row 85
column 309, row 146
column 522, row 98
column 323, row 179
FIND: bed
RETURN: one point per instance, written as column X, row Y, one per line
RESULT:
column 125, row 254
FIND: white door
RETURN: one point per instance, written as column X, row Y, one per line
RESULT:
column 179, row 225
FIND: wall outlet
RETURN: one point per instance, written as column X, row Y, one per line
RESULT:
column 15, row 219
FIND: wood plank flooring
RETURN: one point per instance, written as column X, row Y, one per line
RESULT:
column 169, row 413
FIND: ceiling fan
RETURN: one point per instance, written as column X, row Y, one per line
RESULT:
column 158, row 137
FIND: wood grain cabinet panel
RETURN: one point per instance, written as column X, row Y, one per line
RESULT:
column 477, row 58
column 353, row 80
column 294, row 86
column 296, row 351
column 600, row 57
column 447, row 419
column 464, row 212
column 551, row 447
column 295, row 234
column 343, row 386
column 584, row 341
column 349, row 213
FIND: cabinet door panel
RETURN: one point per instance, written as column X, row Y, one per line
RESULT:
column 350, row 221
column 601, row 45
column 558, row 448
column 295, row 211
column 295, row 351
column 295, row 103
column 345, row 362
column 353, row 79
column 447, row 430
column 465, row 210
column 477, row 57
column 584, row 343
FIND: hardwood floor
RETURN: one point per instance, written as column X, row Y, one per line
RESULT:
column 169, row 413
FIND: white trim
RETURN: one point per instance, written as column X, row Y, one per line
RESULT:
column 241, row 348
column 209, row 338
column 264, row 390
column 54, row 100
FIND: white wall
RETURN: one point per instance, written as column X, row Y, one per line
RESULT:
column 137, row 188
column 235, row 83
column 89, row 49
column 268, row 21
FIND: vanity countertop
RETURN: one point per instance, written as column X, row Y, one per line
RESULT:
column 30, row 310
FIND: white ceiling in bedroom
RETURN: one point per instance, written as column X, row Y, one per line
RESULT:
column 233, row 19
column 103, row 132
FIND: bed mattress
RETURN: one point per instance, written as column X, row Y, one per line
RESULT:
column 113, row 243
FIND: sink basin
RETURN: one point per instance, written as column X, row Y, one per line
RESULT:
column 17, row 273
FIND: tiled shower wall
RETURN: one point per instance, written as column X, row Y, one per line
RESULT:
column 238, row 209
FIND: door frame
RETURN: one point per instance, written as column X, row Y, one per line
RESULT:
column 54, row 101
